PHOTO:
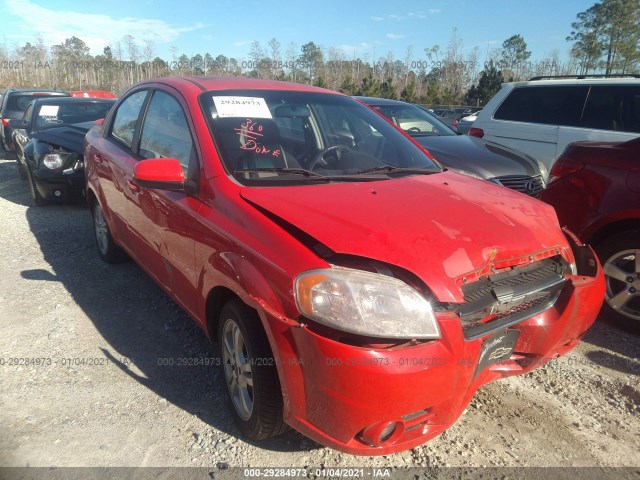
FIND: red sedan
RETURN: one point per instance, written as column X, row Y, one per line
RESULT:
column 595, row 189
column 358, row 293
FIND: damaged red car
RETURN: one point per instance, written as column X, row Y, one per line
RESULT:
column 358, row 293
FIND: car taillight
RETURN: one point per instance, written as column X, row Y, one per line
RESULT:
column 476, row 132
column 564, row 167
column 5, row 122
column 455, row 123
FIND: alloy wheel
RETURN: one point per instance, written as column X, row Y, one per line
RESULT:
column 622, row 277
column 237, row 369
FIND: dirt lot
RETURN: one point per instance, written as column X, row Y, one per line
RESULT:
column 102, row 399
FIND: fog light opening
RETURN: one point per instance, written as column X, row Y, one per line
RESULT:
column 57, row 193
column 382, row 434
column 387, row 432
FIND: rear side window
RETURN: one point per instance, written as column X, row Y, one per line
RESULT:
column 19, row 103
column 27, row 114
column 124, row 123
column 613, row 108
column 545, row 105
column 165, row 133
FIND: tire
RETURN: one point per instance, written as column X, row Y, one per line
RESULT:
column 107, row 248
column 22, row 169
column 37, row 200
column 620, row 258
column 254, row 398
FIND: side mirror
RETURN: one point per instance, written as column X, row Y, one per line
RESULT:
column 160, row 173
column 18, row 123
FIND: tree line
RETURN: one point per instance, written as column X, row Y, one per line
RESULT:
column 605, row 39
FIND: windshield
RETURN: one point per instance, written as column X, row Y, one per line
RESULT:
column 414, row 120
column 19, row 103
column 274, row 135
column 51, row 115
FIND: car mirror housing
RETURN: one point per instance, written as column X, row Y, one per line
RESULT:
column 160, row 173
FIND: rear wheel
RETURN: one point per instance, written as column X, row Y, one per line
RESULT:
column 253, row 388
column 108, row 250
column 620, row 257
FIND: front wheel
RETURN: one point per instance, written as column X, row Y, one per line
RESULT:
column 620, row 257
column 253, row 388
column 22, row 168
column 37, row 200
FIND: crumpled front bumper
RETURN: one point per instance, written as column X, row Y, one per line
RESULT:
column 56, row 184
column 340, row 395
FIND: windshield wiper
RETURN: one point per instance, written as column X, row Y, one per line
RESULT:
column 313, row 175
column 392, row 169
column 292, row 171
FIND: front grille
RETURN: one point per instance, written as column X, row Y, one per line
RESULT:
column 523, row 183
column 500, row 300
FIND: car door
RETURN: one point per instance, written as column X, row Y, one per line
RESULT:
column 123, row 197
column 170, row 216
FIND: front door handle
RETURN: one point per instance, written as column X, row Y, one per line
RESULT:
column 133, row 187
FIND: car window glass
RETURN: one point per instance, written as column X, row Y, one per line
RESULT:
column 27, row 113
column 317, row 132
column 613, row 108
column 292, row 128
column 414, row 120
column 165, row 132
column 124, row 123
column 53, row 115
column 551, row 105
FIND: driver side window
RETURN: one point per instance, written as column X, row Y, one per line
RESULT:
column 126, row 118
column 165, row 132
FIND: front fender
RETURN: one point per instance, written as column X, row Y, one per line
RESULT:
column 238, row 273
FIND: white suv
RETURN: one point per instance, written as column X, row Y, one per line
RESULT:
column 542, row 116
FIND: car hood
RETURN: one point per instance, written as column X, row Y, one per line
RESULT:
column 70, row 137
column 441, row 227
column 479, row 157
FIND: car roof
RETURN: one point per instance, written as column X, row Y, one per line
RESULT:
column 381, row 101
column 27, row 91
column 59, row 100
column 216, row 83
column 578, row 81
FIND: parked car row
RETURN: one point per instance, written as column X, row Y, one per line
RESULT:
column 44, row 130
column 14, row 103
column 336, row 253
column 49, row 141
column 585, row 130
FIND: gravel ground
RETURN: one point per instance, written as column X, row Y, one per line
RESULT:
column 105, row 401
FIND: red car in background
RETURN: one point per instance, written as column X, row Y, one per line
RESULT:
column 357, row 292
column 595, row 189
column 92, row 94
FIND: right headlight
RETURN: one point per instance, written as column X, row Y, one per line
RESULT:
column 54, row 161
column 365, row 303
